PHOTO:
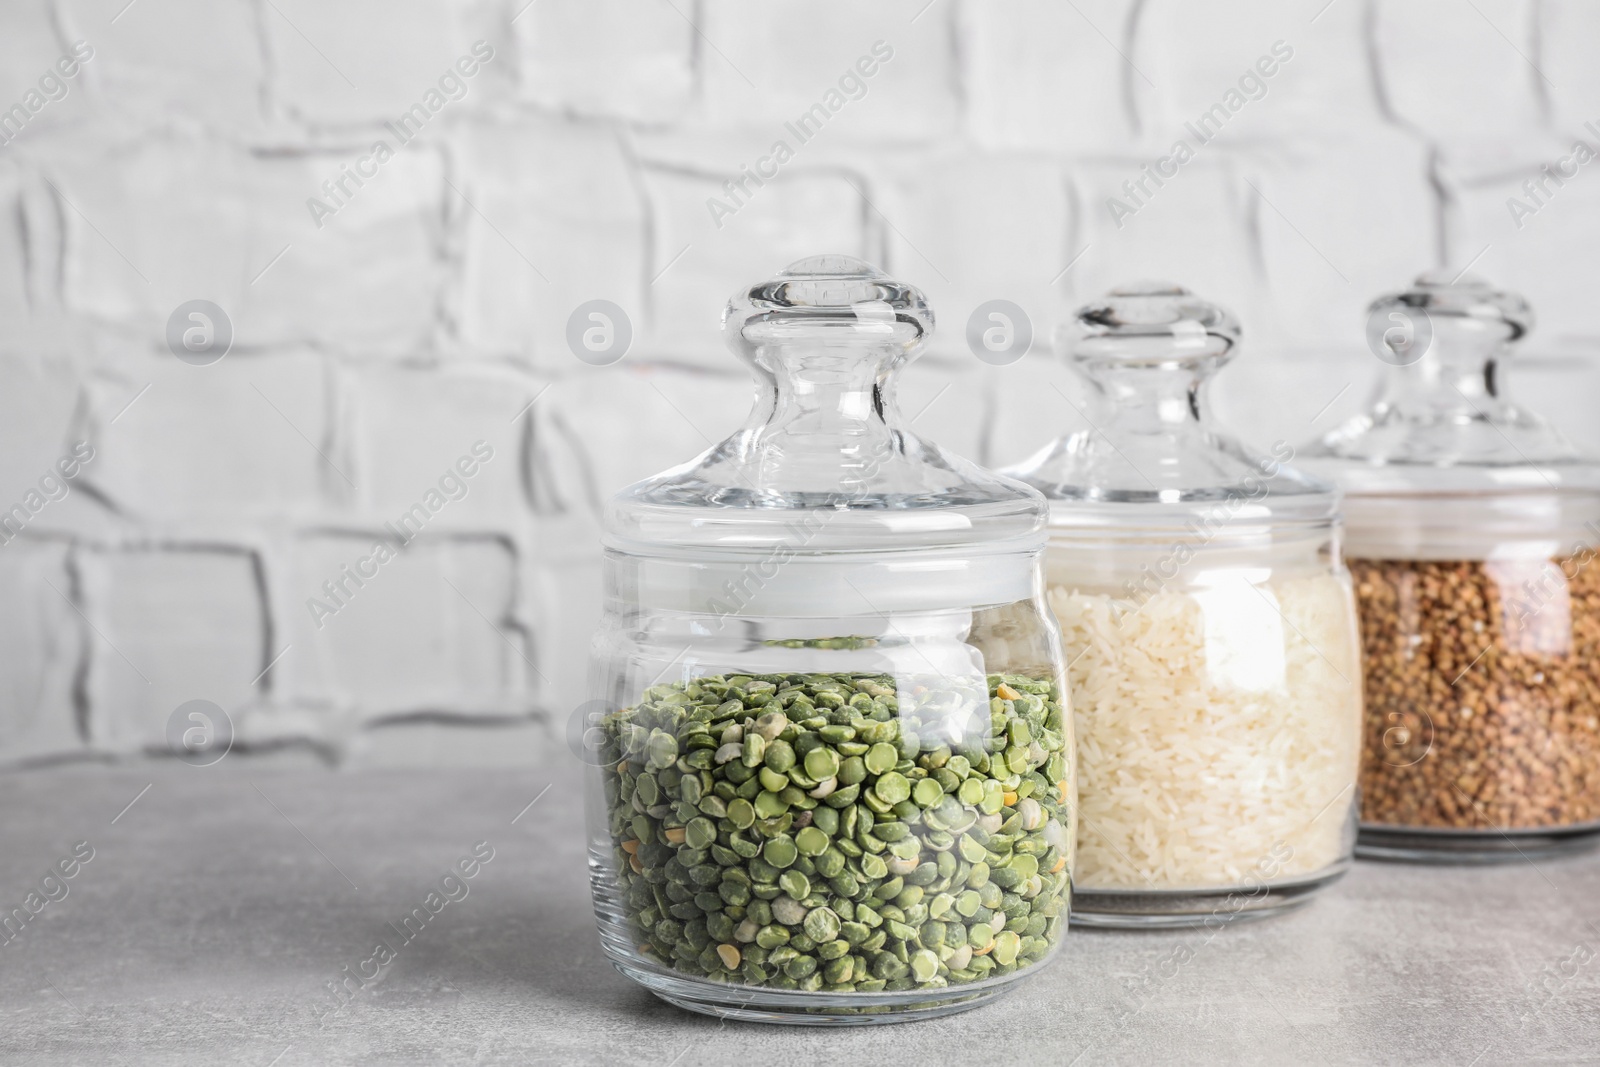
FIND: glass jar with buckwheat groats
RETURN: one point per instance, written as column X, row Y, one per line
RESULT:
column 833, row 770
column 1472, row 534
column 1209, row 630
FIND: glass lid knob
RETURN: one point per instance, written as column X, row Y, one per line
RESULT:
column 1441, row 420
column 829, row 300
column 825, row 339
column 1466, row 297
column 1151, row 454
column 1150, row 323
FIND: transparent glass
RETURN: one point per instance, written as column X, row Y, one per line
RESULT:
column 833, row 778
column 1472, row 527
column 1209, row 631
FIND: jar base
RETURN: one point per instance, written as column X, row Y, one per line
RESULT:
column 756, row 1004
column 1408, row 844
column 1128, row 909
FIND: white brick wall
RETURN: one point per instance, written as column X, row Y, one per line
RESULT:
column 427, row 312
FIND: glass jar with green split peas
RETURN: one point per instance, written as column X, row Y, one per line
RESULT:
column 833, row 770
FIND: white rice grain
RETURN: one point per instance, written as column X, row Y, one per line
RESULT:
column 1211, row 734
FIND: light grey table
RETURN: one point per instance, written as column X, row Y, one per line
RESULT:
column 218, row 908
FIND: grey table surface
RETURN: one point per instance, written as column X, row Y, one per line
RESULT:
column 219, row 907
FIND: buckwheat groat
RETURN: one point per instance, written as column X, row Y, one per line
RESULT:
column 1482, row 693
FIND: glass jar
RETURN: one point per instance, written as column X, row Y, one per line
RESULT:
column 1472, row 527
column 1209, row 633
column 834, row 775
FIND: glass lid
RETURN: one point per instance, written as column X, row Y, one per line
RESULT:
column 824, row 464
column 1441, row 422
column 1152, row 455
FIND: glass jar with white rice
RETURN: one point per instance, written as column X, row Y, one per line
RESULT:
column 1209, row 627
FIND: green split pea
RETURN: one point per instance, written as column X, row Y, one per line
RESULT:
column 835, row 832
